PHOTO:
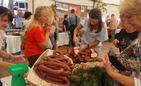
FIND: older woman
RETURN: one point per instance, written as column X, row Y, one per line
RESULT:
column 132, row 10
column 126, row 36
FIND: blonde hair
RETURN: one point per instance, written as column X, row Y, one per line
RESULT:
column 50, row 15
column 130, row 7
column 38, row 13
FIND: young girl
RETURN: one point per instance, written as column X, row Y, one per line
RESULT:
column 38, row 33
column 6, row 18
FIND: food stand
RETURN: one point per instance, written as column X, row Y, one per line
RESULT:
column 34, row 78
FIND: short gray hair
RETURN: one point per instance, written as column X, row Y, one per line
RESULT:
column 131, row 7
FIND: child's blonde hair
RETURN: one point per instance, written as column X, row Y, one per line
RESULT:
column 38, row 13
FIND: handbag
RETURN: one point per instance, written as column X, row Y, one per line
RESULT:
column 23, row 42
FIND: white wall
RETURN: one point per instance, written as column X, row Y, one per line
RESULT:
column 5, row 3
column 112, row 1
column 111, row 9
column 19, row 0
column 30, row 5
column 39, row 3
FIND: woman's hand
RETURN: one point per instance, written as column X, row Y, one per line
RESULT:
column 49, row 29
column 75, row 39
column 115, row 42
column 19, row 58
column 107, row 64
column 83, row 47
column 125, row 80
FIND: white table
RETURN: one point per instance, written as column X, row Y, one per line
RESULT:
column 13, row 43
column 63, row 38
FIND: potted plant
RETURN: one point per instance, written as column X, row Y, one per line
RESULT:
column 53, row 6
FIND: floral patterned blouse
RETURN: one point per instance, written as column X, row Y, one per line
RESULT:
column 130, row 58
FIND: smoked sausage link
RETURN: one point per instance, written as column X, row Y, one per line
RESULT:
column 47, row 69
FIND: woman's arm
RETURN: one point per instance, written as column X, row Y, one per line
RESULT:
column 44, row 44
column 83, row 47
column 55, row 45
column 50, row 29
column 115, row 42
column 95, row 43
column 125, row 80
column 64, row 27
column 16, row 58
column 3, row 54
column 5, row 64
column 76, row 31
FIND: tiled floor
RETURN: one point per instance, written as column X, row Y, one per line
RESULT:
column 107, row 45
column 4, row 72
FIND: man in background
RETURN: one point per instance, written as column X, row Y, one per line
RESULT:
column 73, row 22
column 113, row 26
column 26, row 22
column 65, row 24
column 19, row 18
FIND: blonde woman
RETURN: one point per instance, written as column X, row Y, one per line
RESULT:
column 132, row 11
column 38, row 33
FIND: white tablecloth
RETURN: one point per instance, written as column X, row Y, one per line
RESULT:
column 13, row 43
column 63, row 38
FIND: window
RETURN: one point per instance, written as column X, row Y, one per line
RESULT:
column 62, row 6
column 21, row 5
column 65, row 7
column 82, row 8
column 0, row 2
column 59, row 5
